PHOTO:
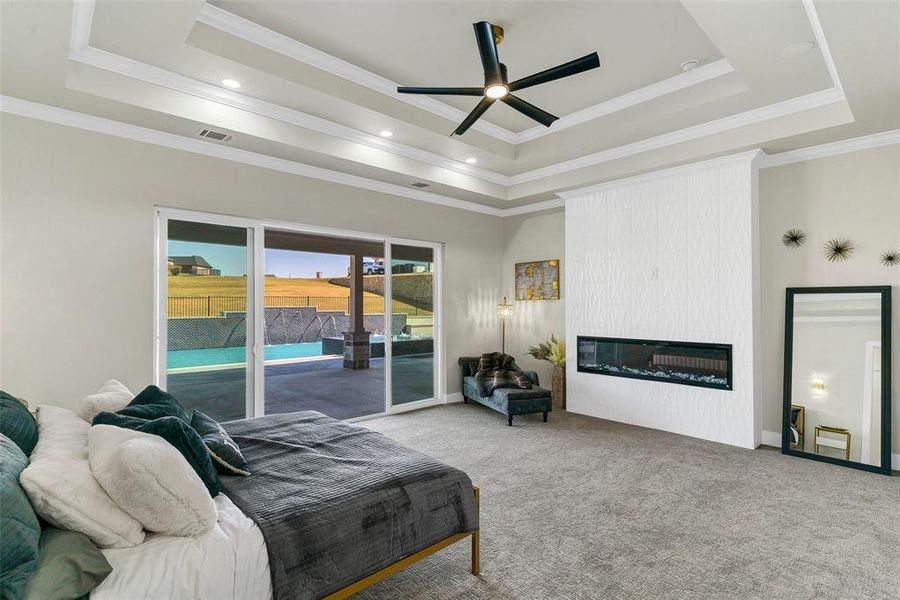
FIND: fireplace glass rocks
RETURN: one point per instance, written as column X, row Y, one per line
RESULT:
column 688, row 363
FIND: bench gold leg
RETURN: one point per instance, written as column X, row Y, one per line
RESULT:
column 476, row 536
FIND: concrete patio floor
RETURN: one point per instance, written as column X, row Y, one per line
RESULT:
column 322, row 385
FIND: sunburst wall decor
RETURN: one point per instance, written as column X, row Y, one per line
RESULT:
column 891, row 258
column 838, row 249
column 793, row 238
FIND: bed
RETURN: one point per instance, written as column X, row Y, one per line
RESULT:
column 330, row 508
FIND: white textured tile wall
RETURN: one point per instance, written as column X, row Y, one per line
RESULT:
column 672, row 258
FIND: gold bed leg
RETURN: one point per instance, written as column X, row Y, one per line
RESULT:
column 476, row 535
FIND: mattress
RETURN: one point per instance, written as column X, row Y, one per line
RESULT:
column 227, row 562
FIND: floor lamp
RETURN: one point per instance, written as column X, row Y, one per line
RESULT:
column 504, row 311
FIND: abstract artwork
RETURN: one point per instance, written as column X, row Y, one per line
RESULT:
column 537, row 280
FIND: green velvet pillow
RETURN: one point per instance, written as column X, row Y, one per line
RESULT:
column 225, row 452
column 153, row 403
column 69, row 566
column 178, row 433
column 19, row 527
column 17, row 423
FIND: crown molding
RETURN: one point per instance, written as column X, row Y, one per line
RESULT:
column 865, row 142
column 81, row 51
column 749, row 156
column 245, row 29
column 133, row 69
column 61, row 116
column 816, row 25
column 645, row 94
column 235, row 25
column 534, row 207
column 750, row 117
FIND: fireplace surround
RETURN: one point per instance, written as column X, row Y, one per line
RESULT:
column 686, row 363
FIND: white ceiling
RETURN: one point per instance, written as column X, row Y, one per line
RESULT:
column 433, row 44
column 318, row 81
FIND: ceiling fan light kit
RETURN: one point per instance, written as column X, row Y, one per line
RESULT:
column 497, row 85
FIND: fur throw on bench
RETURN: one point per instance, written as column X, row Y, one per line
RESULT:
column 498, row 370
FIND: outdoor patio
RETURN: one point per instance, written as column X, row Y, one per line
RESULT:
column 321, row 385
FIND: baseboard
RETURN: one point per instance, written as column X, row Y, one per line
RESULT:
column 771, row 438
column 454, row 397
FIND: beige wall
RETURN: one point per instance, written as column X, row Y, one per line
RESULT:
column 854, row 195
column 77, row 249
column 537, row 236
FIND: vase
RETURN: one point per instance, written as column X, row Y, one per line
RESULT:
column 558, row 389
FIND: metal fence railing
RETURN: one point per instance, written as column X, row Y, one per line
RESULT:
column 214, row 306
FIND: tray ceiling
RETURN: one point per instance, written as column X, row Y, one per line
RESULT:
column 317, row 81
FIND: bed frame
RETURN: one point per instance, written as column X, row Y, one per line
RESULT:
column 414, row 558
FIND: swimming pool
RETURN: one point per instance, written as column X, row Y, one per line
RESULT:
column 181, row 359
column 209, row 357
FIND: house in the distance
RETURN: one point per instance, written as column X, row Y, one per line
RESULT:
column 192, row 265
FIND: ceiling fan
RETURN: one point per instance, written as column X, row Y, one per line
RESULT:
column 496, row 85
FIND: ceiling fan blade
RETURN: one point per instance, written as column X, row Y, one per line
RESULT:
column 474, row 115
column 487, row 48
column 573, row 67
column 443, row 91
column 530, row 110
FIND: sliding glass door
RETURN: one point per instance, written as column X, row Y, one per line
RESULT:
column 207, row 287
column 259, row 318
column 412, row 281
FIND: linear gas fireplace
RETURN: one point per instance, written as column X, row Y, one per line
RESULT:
column 688, row 363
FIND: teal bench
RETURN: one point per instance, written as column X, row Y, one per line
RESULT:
column 506, row 401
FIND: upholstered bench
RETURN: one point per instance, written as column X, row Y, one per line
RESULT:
column 507, row 401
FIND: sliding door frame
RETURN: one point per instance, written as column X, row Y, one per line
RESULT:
column 256, row 228
column 253, row 368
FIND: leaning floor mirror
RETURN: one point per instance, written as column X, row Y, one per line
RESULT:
column 837, row 376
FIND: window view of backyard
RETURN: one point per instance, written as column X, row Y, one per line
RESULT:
column 319, row 354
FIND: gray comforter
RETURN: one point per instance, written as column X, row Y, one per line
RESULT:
column 337, row 502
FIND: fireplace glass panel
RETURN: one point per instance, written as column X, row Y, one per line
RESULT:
column 688, row 363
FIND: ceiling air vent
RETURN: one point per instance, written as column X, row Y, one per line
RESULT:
column 214, row 135
column 419, row 184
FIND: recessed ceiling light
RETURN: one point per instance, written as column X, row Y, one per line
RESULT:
column 231, row 83
column 690, row 64
column 797, row 49
column 386, row 133
column 471, row 160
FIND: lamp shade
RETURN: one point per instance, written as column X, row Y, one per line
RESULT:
column 504, row 309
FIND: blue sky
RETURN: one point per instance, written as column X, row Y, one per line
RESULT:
column 232, row 260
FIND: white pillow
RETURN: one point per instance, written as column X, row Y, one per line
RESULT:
column 111, row 397
column 150, row 480
column 62, row 489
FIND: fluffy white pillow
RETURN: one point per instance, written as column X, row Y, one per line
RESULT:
column 111, row 397
column 150, row 479
column 62, row 489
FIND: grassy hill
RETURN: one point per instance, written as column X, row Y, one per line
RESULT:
column 198, row 296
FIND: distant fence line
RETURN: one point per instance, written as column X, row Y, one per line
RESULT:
column 214, row 306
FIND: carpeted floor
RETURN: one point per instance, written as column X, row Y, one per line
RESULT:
column 585, row 508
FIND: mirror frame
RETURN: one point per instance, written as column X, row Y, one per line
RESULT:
column 885, row 292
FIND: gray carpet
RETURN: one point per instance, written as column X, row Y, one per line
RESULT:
column 586, row 508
